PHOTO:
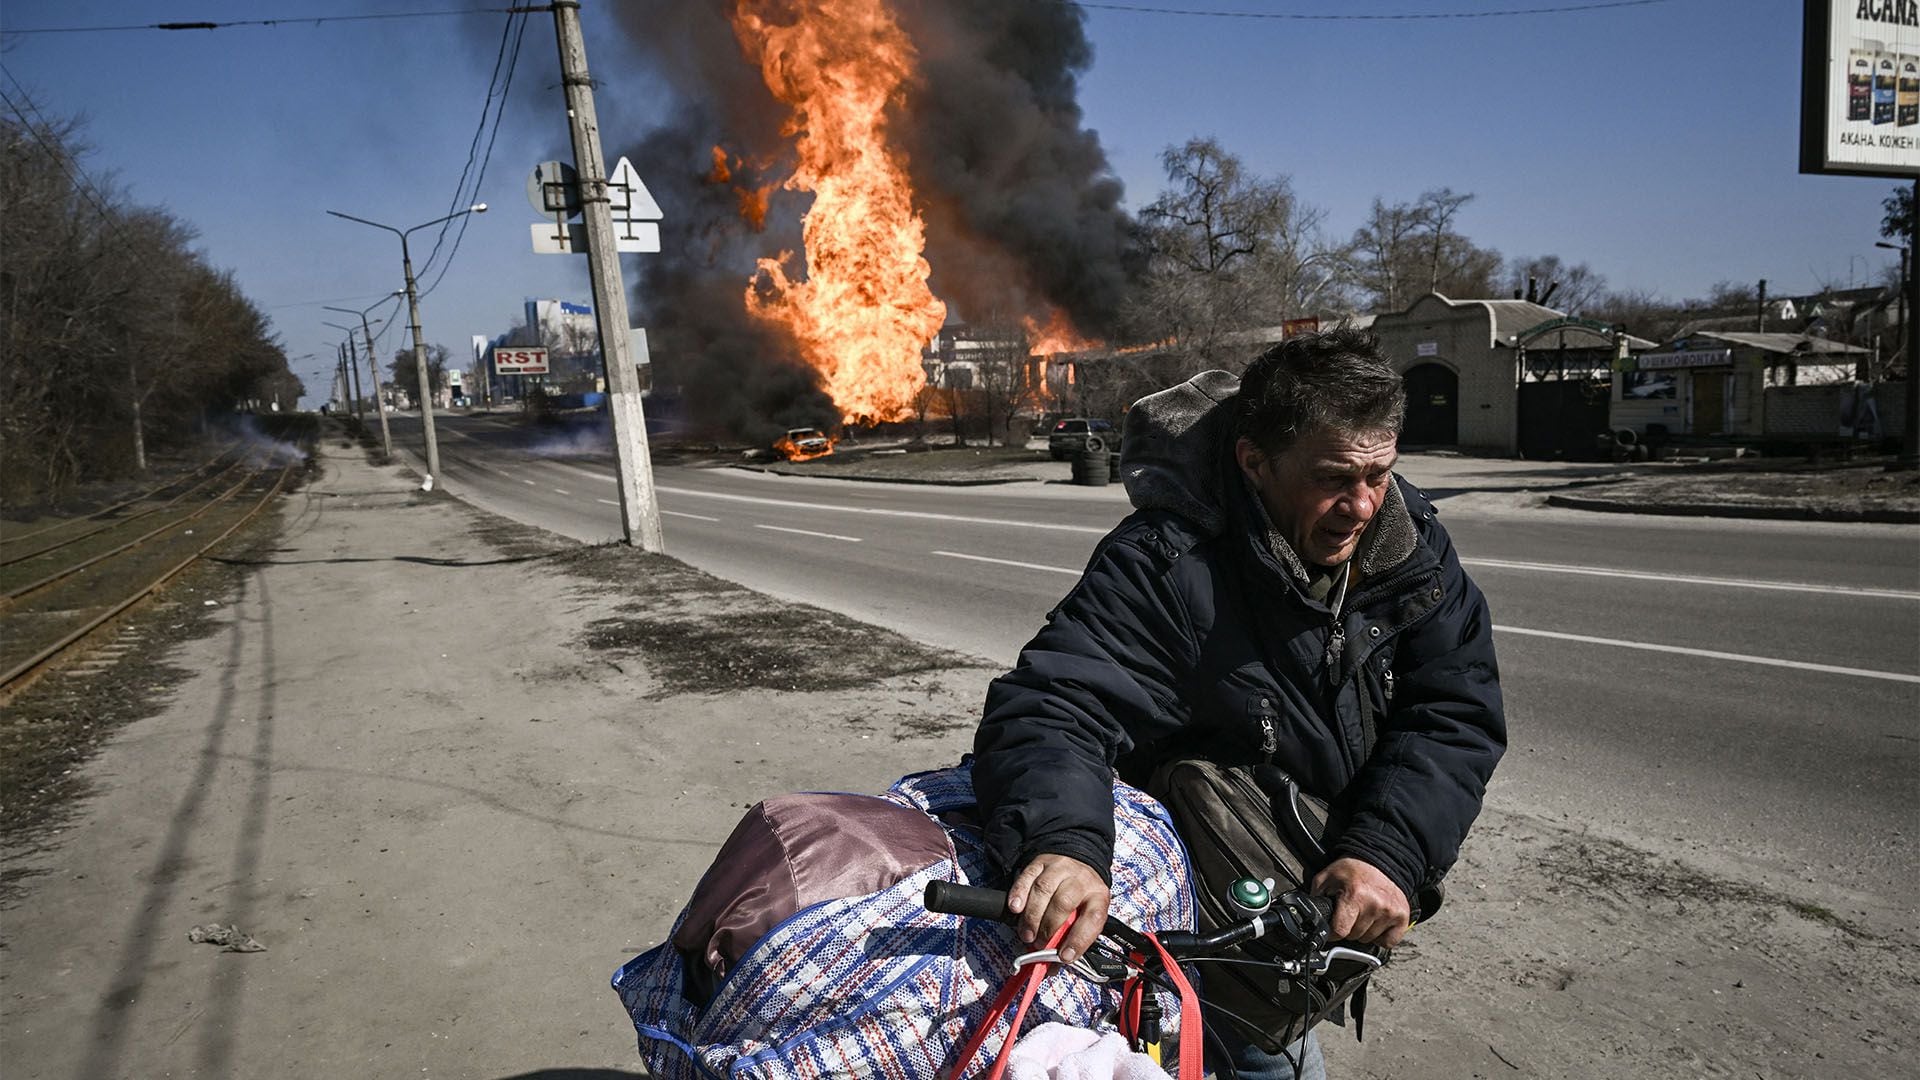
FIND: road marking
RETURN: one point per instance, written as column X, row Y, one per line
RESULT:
column 1097, row 530
column 563, row 491
column 609, row 502
column 529, row 483
column 504, row 473
column 1732, row 583
column 1712, row 654
column 1008, row 562
column 677, row 513
column 810, row 532
column 1645, row 646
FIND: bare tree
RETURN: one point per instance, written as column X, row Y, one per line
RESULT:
column 1573, row 289
column 1406, row 246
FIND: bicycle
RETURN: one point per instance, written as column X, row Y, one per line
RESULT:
column 1296, row 921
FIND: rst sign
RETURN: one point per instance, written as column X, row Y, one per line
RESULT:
column 527, row 360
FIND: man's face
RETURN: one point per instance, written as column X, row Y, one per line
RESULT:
column 1322, row 491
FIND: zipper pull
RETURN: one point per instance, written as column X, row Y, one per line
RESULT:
column 1336, row 645
column 1386, row 682
column 1269, row 741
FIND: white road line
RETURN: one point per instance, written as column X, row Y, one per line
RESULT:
column 504, row 473
column 529, row 483
column 1731, row 583
column 1096, row 530
column 611, row 502
column 1645, row 646
column 809, row 532
column 1008, row 562
column 562, row 491
column 677, row 513
column 1712, row 654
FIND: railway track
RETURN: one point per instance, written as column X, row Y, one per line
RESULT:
column 56, row 597
column 231, row 455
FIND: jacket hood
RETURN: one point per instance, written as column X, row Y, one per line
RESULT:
column 1174, row 448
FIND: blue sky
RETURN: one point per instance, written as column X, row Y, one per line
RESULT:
column 1657, row 143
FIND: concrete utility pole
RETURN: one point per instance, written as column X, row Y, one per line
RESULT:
column 1910, row 287
column 639, row 513
column 419, row 343
column 353, row 365
column 373, row 371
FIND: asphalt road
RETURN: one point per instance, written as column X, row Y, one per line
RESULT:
column 1742, row 694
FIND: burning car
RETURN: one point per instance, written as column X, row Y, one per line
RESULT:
column 803, row 444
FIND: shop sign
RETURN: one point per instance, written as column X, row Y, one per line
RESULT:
column 1427, row 348
column 1860, row 88
column 1688, row 359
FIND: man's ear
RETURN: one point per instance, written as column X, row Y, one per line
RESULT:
column 1248, row 455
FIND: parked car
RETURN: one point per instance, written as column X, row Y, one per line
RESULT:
column 801, row 443
column 1073, row 434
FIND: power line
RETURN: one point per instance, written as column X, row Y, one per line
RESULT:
column 1142, row 9
column 513, row 62
column 473, row 147
column 82, row 183
column 290, row 20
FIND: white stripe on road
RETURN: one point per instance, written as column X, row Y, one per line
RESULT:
column 1645, row 646
column 1732, row 583
column 611, row 502
column 1712, row 654
column 678, row 513
column 562, row 491
column 1096, row 530
column 810, row 532
column 1008, row 562
column 529, row 483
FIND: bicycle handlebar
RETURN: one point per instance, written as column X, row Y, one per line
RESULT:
column 1299, row 918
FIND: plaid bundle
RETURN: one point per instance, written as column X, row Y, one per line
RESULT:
column 877, row 986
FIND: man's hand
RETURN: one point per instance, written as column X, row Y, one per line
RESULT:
column 1367, row 906
column 1047, row 890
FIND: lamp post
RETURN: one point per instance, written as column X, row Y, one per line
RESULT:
column 373, row 366
column 1902, row 249
column 353, row 363
column 413, row 313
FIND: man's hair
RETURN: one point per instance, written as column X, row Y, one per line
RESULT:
column 1334, row 382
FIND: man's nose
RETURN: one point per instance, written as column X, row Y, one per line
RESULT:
column 1361, row 504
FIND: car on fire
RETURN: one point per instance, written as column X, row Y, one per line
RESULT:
column 1073, row 434
column 802, row 443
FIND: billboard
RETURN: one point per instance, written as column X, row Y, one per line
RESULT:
column 521, row 360
column 1860, row 88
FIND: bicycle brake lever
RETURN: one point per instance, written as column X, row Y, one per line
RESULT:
column 1341, row 952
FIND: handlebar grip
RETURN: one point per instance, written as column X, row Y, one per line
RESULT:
column 1323, row 905
column 953, row 898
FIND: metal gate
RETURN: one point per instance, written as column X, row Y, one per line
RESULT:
column 1433, row 406
column 1563, row 418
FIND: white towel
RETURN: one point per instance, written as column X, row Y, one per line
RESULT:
column 1055, row 1051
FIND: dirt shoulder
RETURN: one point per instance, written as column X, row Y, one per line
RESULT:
column 451, row 772
column 1857, row 492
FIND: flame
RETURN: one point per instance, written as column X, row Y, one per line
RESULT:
column 1056, row 336
column 864, row 309
column 753, row 200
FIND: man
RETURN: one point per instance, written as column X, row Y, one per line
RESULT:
column 1278, row 594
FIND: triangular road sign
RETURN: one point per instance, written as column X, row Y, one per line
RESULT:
column 630, row 198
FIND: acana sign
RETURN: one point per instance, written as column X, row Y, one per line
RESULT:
column 1897, row 12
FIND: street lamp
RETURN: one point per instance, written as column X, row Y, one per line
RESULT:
column 350, row 356
column 373, row 366
column 413, row 312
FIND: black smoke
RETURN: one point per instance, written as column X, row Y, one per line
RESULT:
column 1022, row 209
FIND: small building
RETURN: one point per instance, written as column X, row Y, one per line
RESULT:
column 1716, row 383
column 1507, row 376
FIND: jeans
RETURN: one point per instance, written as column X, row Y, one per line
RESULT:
column 1254, row 1063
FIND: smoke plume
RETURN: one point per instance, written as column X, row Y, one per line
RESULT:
column 1022, row 212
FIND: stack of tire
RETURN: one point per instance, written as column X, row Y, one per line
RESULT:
column 1090, row 466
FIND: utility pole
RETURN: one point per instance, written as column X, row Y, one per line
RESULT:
column 1910, row 289
column 353, row 365
column 373, row 372
column 639, row 513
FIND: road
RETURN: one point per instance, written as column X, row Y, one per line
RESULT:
column 1740, row 694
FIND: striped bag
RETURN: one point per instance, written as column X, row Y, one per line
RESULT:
column 875, row 985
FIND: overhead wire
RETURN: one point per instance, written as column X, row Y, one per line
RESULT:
column 500, row 111
column 285, row 20
column 473, row 146
column 1412, row 16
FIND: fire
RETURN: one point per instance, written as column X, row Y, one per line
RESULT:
column 753, row 200
column 864, row 309
column 1057, row 336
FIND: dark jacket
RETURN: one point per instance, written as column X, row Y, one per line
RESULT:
column 1191, row 632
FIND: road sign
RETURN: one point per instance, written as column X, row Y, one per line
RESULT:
column 630, row 198
column 554, row 188
column 528, row 360
column 559, row 238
